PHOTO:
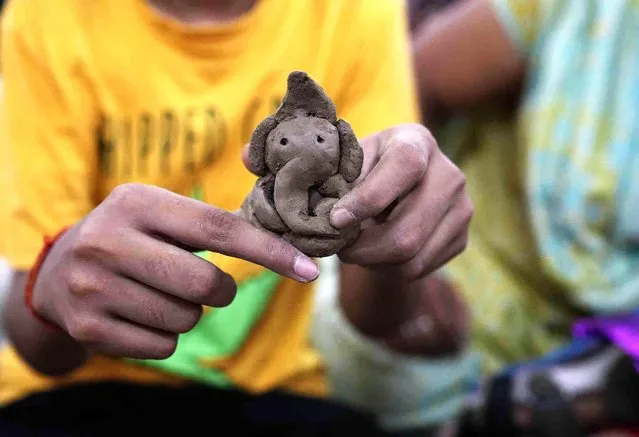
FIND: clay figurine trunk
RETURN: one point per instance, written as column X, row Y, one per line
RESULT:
column 306, row 159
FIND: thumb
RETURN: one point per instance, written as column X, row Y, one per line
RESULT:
column 246, row 160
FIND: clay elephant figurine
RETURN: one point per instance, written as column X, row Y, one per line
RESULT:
column 306, row 159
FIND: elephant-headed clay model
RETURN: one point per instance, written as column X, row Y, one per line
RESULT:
column 306, row 159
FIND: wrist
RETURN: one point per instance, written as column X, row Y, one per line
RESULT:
column 48, row 351
column 37, row 299
column 425, row 317
column 42, row 309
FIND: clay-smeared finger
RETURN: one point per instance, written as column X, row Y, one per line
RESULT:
column 401, row 166
column 404, row 233
column 413, row 221
column 203, row 227
column 456, row 247
column 456, row 225
column 132, row 340
column 447, row 241
column 172, row 270
column 145, row 306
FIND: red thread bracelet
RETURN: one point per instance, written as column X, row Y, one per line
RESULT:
column 33, row 274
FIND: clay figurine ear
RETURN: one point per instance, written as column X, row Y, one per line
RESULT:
column 351, row 153
column 304, row 97
column 257, row 146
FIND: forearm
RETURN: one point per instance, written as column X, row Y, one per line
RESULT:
column 46, row 350
column 374, row 302
column 424, row 317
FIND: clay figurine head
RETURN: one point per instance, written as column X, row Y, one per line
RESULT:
column 305, row 127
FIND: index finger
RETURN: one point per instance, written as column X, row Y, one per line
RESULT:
column 200, row 226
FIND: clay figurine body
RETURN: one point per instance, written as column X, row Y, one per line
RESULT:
column 306, row 159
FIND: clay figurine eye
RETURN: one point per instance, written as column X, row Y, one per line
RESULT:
column 320, row 139
column 283, row 141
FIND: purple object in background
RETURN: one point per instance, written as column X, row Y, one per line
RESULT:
column 622, row 330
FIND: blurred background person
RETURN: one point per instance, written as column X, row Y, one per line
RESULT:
column 534, row 100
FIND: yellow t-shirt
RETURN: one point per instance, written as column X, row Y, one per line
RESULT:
column 99, row 93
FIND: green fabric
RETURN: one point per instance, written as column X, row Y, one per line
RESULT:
column 220, row 332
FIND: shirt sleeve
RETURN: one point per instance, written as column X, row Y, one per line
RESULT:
column 527, row 21
column 46, row 132
column 381, row 90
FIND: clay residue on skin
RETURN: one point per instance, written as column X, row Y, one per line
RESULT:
column 306, row 159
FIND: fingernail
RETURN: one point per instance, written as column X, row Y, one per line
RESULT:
column 305, row 268
column 341, row 218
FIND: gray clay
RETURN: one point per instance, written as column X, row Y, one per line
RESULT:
column 306, row 159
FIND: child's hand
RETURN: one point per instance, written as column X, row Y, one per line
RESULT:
column 411, row 201
column 125, row 282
